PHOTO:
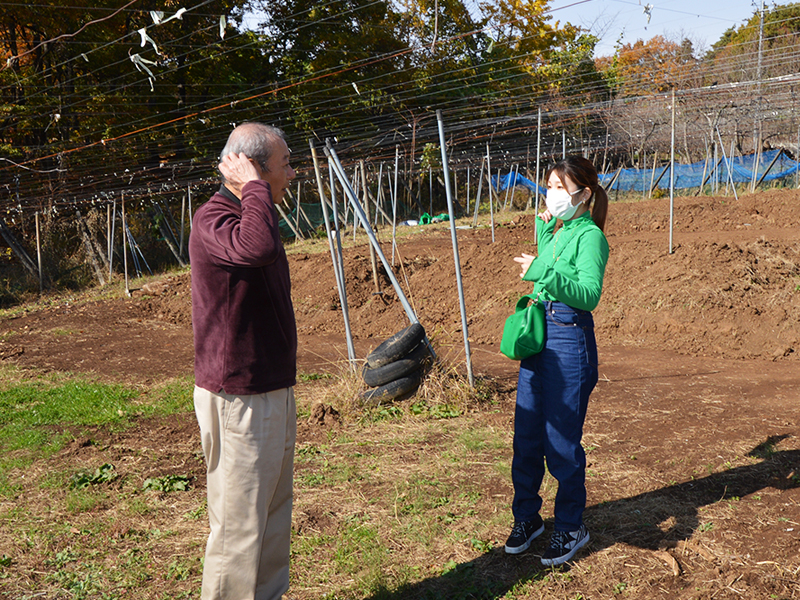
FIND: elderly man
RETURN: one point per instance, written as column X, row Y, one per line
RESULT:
column 245, row 342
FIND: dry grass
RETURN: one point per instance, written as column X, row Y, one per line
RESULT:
column 411, row 500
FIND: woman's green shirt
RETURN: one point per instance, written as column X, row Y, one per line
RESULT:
column 571, row 262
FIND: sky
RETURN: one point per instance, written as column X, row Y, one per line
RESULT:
column 702, row 21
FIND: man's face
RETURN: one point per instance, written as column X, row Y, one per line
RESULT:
column 279, row 172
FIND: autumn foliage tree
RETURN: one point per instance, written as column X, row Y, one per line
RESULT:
column 652, row 66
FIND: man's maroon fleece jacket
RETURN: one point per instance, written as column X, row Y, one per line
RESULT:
column 245, row 337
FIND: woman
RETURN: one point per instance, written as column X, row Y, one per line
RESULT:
column 554, row 385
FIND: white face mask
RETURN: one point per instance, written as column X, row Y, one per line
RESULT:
column 559, row 203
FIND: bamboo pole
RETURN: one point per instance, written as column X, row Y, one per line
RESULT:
column 379, row 197
column 183, row 224
column 769, row 168
column 124, row 252
column 514, row 185
column 730, row 171
column 508, row 185
column 112, row 228
column 468, row 186
column 168, row 236
column 536, row 174
column 660, row 176
column 300, row 210
column 455, row 187
column 653, row 175
column 394, row 202
column 39, row 253
column 489, row 174
column 288, row 222
column 705, row 169
column 109, row 240
column 430, row 190
column 644, row 177
column 189, row 202
column 478, row 194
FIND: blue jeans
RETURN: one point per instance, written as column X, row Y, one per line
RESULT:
column 552, row 396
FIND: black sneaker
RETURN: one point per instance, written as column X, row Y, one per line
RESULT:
column 522, row 534
column 564, row 545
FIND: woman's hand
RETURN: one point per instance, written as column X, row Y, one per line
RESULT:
column 545, row 216
column 524, row 262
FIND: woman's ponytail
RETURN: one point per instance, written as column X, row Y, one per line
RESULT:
column 600, row 207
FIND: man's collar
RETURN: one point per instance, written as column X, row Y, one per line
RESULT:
column 224, row 191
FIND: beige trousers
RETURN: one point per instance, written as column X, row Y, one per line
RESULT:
column 248, row 443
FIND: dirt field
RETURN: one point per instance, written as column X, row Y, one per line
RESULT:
column 693, row 429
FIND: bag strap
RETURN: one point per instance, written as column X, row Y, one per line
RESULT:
column 524, row 300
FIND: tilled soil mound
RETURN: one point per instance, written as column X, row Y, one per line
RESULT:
column 728, row 289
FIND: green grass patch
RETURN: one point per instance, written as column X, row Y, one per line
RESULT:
column 30, row 411
column 37, row 418
column 173, row 397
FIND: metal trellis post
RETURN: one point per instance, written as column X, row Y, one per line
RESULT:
column 455, row 250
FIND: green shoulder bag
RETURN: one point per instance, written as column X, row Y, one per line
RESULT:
column 524, row 331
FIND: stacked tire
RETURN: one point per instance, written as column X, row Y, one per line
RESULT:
column 396, row 368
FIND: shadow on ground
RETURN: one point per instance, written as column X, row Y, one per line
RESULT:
column 634, row 521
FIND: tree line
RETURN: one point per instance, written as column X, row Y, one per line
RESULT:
column 135, row 97
column 88, row 91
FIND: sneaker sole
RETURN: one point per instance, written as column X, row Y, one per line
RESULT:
column 560, row 560
column 526, row 545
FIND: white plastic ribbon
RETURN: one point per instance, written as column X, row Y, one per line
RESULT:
column 158, row 16
column 146, row 38
column 141, row 65
column 648, row 10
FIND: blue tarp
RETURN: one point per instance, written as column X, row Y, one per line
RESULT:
column 508, row 180
column 686, row 176
column 690, row 176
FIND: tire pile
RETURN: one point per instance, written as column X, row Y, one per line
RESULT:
column 396, row 368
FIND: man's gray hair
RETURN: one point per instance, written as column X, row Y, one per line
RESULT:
column 255, row 140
